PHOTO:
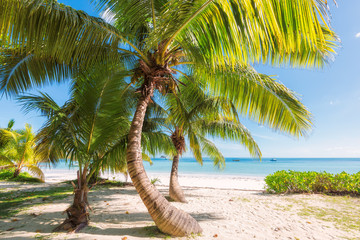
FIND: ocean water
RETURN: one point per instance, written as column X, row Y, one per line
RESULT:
column 255, row 167
column 251, row 167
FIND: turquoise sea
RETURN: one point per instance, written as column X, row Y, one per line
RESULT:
column 253, row 167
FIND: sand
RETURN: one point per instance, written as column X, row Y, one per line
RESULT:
column 186, row 180
column 231, row 211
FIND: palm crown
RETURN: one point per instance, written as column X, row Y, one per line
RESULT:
column 92, row 127
column 19, row 151
column 196, row 115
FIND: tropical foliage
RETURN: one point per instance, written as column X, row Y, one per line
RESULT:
column 8, row 174
column 313, row 182
column 90, row 129
column 194, row 115
column 85, row 130
column 4, row 139
column 211, row 42
column 198, row 115
column 19, row 152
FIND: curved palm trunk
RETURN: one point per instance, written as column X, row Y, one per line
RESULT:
column 77, row 213
column 167, row 218
column 175, row 191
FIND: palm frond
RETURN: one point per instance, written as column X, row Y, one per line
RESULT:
column 134, row 18
column 227, row 33
column 115, row 157
column 157, row 142
column 228, row 130
column 10, row 134
column 10, row 124
column 35, row 171
column 195, row 147
column 50, row 29
column 57, row 139
column 5, row 161
column 209, row 149
column 20, row 71
column 260, row 98
column 146, row 158
column 42, row 103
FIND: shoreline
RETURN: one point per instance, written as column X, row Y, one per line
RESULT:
column 236, row 182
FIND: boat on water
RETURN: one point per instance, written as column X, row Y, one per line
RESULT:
column 273, row 160
column 236, row 160
column 164, row 157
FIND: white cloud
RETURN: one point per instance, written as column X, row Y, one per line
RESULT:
column 357, row 35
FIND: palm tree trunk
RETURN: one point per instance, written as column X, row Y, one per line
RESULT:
column 16, row 173
column 77, row 213
column 167, row 218
column 175, row 191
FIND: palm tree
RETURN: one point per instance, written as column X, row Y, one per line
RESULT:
column 3, row 138
column 86, row 129
column 92, row 129
column 210, row 40
column 196, row 115
column 19, row 151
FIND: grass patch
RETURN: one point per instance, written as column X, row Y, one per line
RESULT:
column 343, row 211
column 281, row 207
column 243, row 199
column 194, row 236
column 153, row 231
column 103, row 183
column 8, row 175
column 344, row 218
column 111, row 183
column 14, row 201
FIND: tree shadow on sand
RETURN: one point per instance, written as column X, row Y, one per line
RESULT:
column 110, row 217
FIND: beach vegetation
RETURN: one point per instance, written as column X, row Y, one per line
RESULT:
column 153, row 232
column 343, row 211
column 213, row 42
column 8, row 175
column 91, row 129
column 155, row 181
column 242, row 199
column 313, row 182
column 195, row 116
column 19, row 152
column 102, row 182
column 110, row 183
column 5, row 138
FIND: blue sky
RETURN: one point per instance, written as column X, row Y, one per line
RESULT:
column 332, row 94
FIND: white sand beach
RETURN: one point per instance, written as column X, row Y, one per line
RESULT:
column 186, row 180
column 223, row 211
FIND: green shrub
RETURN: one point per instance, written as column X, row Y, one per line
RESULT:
column 155, row 181
column 313, row 182
column 8, row 175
